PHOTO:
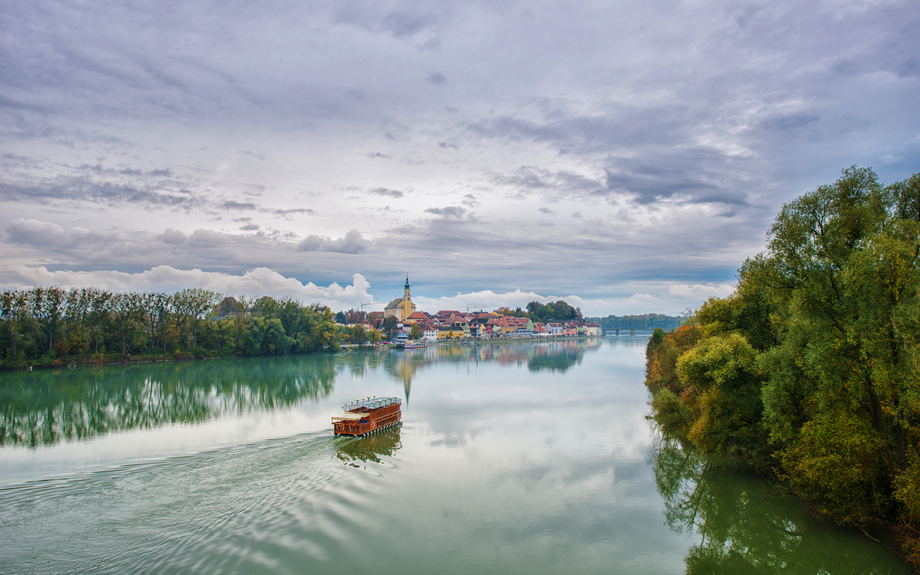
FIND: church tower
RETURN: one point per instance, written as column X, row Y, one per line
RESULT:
column 401, row 307
column 407, row 301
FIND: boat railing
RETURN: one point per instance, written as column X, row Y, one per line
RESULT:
column 371, row 403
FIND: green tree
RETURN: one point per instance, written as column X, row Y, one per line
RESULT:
column 389, row 327
column 722, row 389
column 358, row 334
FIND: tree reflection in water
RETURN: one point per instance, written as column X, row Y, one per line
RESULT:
column 48, row 406
column 45, row 407
column 749, row 525
column 369, row 448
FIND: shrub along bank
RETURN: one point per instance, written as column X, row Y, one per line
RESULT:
column 811, row 370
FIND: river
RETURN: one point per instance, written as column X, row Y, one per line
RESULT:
column 514, row 457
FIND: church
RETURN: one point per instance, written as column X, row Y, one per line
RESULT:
column 400, row 308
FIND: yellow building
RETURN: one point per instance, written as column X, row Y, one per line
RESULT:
column 400, row 308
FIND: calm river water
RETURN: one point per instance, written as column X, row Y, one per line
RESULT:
column 512, row 458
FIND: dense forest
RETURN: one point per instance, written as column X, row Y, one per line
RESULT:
column 809, row 371
column 53, row 326
column 647, row 321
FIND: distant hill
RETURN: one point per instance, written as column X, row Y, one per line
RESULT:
column 644, row 321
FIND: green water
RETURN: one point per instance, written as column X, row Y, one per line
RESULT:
column 512, row 458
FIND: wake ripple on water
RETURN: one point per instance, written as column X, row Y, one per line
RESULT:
column 278, row 505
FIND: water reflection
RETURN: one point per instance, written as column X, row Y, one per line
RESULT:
column 45, row 407
column 536, row 355
column 49, row 406
column 750, row 526
column 369, row 448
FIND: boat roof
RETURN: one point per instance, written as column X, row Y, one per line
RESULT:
column 372, row 402
column 350, row 416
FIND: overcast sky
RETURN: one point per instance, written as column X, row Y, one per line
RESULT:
column 626, row 156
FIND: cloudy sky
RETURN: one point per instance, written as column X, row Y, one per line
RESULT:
column 624, row 155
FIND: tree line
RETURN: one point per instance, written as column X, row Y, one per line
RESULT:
column 551, row 312
column 810, row 370
column 54, row 326
column 647, row 321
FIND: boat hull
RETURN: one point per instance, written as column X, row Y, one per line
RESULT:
column 351, row 433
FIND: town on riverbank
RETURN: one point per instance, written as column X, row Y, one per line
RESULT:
column 401, row 323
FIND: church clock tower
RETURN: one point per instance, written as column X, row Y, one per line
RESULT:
column 407, row 301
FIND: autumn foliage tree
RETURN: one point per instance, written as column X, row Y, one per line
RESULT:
column 810, row 368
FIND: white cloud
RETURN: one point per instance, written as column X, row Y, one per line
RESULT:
column 255, row 283
column 489, row 300
column 700, row 292
column 673, row 299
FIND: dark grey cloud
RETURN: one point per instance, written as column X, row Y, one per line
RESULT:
column 351, row 243
column 406, row 23
column 159, row 173
column 377, row 155
column 590, row 252
column 293, row 211
column 430, row 44
column 172, row 236
column 446, row 145
column 450, row 212
column 529, row 180
column 233, row 205
column 80, row 249
column 387, row 192
column 399, row 20
column 694, row 175
column 470, row 200
column 81, row 189
column 202, row 238
column 790, row 121
column 48, row 235
column 436, row 78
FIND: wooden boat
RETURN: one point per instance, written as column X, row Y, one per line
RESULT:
column 368, row 415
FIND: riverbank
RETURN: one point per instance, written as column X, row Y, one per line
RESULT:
column 478, row 341
column 103, row 359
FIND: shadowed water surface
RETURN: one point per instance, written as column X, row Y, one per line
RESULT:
column 511, row 458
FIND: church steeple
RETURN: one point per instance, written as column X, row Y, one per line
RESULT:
column 407, row 281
